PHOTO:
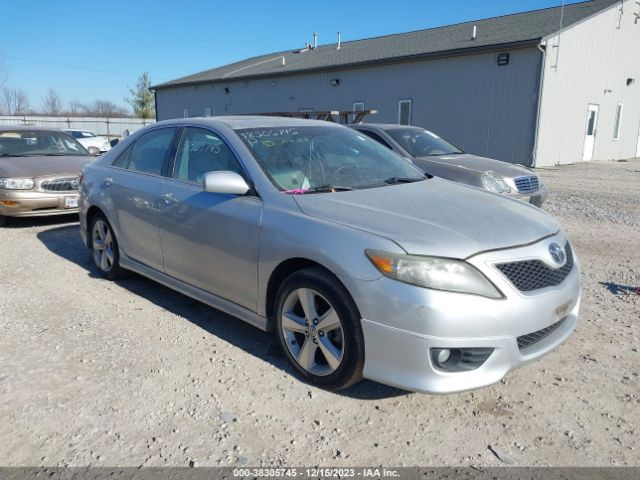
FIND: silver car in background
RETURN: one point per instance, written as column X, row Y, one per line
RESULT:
column 361, row 264
column 438, row 157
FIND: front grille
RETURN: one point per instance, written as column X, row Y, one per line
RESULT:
column 532, row 275
column 529, row 339
column 527, row 184
column 60, row 184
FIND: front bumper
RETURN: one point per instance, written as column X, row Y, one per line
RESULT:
column 29, row 203
column 536, row 198
column 401, row 323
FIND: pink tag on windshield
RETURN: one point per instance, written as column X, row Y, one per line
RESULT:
column 296, row 191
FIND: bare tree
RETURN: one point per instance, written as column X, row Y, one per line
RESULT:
column 15, row 101
column 51, row 104
column 76, row 107
column 105, row 108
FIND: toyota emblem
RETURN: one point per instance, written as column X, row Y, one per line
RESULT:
column 557, row 253
column 75, row 184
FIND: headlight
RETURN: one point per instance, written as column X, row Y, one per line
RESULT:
column 494, row 184
column 433, row 272
column 16, row 183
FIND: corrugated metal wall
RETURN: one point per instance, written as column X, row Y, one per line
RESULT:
column 483, row 108
column 595, row 59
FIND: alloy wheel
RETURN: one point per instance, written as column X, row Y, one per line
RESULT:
column 103, row 254
column 312, row 331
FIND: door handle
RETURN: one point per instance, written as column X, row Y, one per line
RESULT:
column 108, row 181
column 169, row 198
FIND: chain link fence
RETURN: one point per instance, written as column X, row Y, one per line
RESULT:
column 109, row 127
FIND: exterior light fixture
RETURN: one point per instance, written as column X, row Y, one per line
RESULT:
column 335, row 82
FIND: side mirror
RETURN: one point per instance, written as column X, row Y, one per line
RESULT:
column 224, row 182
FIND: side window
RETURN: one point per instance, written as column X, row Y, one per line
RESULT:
column 201, row 151
column 376, row 137
column 150, row 151
column 123, row 159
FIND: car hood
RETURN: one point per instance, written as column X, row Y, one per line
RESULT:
column 434, row 217
column 40, row 166
column 477, row 164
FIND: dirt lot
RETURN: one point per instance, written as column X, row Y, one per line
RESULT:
column 131, row 373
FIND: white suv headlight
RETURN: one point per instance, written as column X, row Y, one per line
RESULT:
column 494, row 184
column 16, row 183
column 434, row 272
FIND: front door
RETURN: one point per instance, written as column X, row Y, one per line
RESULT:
column 209, row 240
column 590, row 132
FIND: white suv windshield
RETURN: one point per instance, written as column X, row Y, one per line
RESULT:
column 307, row 159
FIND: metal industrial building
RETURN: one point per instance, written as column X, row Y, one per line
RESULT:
column 545, row 87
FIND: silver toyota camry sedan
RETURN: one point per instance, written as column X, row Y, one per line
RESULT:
column 361, row 265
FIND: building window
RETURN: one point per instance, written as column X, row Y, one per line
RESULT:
column 185, row 113
column 404, row 112
column 207, row 111
column 616, row 124
column 358, row 106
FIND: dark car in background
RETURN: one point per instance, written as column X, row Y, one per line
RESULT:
column 438, row 157
column 39, row 172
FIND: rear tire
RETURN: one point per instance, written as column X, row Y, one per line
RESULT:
column 3, row 220
column 104, row 248
column 317, row 325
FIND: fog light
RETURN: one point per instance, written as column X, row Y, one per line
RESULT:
column 459, row 359
column 443, row 355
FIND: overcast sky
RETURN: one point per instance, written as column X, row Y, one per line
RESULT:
column 89, row 50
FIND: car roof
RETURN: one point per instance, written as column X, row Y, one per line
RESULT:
column 387, row 126
column 237, row 122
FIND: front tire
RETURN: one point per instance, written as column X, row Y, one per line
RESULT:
column 3, row 220
column 104, row 248
column 317, row 325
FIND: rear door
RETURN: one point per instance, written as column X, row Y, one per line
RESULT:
column 209, row 240
column 132, row 192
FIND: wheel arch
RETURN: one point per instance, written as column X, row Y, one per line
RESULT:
column 91, row 212
column 282, row 271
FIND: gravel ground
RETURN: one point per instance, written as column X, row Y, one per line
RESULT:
column 132, row 373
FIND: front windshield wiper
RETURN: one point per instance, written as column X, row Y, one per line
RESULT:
column 59, row 155
column 328, row 189
column 395, row 180
column 442, row 154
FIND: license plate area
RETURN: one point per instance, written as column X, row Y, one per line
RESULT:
column 71, row 202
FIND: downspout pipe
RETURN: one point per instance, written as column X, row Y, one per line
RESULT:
column 543, row 50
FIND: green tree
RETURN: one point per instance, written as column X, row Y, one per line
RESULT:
column 142, row 99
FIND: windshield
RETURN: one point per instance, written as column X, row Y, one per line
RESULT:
column 25, row 143
column 304, row 159
column 422, row 143
column 80, row 134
